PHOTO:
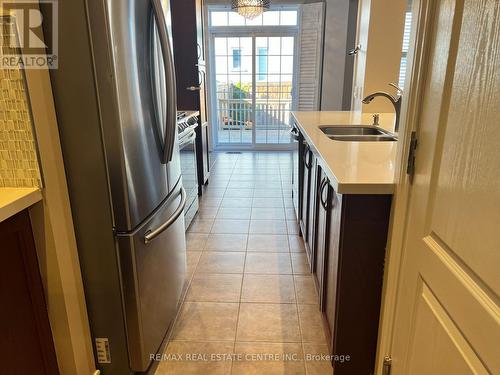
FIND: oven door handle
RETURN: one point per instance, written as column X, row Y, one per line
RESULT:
column 188, row 139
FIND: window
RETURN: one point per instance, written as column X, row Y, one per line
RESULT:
column 287, row 17
column 406, row 45
column 236, row 58
column 261, row 63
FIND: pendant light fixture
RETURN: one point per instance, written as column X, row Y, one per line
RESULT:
column 250, row 8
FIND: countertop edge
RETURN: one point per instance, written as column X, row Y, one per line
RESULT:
column 15, row 200
column 341, row 187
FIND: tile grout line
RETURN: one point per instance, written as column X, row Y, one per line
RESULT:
column 244, row 274
column 239, row 302
column 300, row 325
column 296, row 295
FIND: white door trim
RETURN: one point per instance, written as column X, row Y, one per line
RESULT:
column 423, row 11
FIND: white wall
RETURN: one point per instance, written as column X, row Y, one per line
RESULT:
column 380, row 33
column 335, row 47
column 55, row 240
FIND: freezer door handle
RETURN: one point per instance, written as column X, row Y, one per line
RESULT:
column 151, row 234
column 171, row 110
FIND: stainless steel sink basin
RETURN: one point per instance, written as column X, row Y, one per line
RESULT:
column 358, row 133
column 352, row 130
column 363, row 138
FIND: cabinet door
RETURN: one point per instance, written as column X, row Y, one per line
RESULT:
column 326, row 249
column 200, row 32
column 203, row 153
column 184, row 36
column 321, row 241
column 331, row 261
column 26, row 340
column 311, row 222
column 204, row 159
column 360, row 271
column 307, row 163
column 295, row 160
column 202, row 80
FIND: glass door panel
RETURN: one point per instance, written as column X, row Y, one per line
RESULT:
column 274, row 64
column 234, row 89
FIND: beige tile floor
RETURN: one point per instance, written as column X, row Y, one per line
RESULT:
column 251, row 306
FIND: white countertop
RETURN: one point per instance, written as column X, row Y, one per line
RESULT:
column 353, row 167
column 14, row 200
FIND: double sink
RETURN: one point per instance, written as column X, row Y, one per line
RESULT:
column 357, row 133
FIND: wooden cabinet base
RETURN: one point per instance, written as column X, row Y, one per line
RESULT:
column 349, row 267
column 26, row 344
column 345, row 239
column 364, row 221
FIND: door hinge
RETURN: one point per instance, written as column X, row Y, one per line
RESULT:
column 410, row 167
column 386, row 370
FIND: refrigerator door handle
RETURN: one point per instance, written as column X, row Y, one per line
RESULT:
column 151, row 234
column 168, row 63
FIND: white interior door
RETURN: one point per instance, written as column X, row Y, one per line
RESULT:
column 447, row 315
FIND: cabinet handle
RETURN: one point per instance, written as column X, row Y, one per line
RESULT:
column 294, row 133
column 322, row 186
column 304, row 157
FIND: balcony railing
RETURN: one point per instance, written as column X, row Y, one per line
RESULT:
column 269, row 113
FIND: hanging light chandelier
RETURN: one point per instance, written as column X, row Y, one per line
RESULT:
column 250, row 8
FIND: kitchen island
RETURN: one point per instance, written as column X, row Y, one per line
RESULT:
column 342, row 194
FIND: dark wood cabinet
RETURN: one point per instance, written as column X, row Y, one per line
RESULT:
column 350, row 252
column 184, row 36
column 204, row 131
column 331, row 243
column 26, row 339
column 308, row 198
column 321, row 216
column 190, row 70
column 360, row 248
column 313, row 199
column 345, row 237
column 297, row 168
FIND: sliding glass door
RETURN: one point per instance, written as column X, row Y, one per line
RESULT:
column 254, row 86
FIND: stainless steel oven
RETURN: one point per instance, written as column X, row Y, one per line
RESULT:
column 186, row 124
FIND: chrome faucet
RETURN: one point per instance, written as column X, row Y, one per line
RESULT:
column 395, row 100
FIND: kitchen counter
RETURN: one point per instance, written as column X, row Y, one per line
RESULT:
column 352, row 167
column 14, row 200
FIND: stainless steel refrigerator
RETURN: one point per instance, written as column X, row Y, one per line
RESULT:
column 114, row 93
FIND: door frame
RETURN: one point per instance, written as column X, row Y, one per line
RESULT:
column 423, row 12
column 253, row 32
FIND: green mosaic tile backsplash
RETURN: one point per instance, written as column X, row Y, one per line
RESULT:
column 18, row 156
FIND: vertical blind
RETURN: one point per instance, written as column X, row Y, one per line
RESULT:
column 309, row 57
